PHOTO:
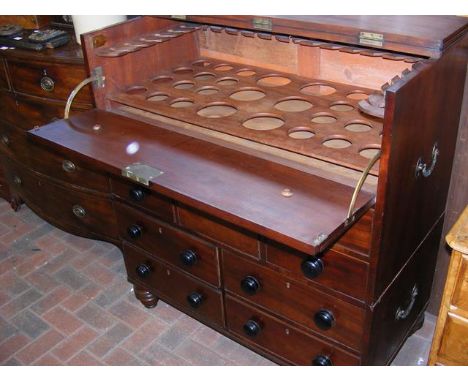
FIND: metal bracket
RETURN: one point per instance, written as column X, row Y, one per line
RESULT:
column 141, row 173
column 262, row 23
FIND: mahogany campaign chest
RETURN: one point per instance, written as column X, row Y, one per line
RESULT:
column 281, row 179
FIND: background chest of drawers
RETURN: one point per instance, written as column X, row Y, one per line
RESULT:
column 33, row 89
column 243, row 237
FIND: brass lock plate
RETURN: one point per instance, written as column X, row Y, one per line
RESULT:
column 141, row 173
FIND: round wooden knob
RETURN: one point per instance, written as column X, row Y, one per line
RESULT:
column 135, row 231
column 324, row 319
column 189, row 257
column 321, row 360
column 137, row 194
column 250, row 285
column 195, row 299
column 143, row 270
column 252, row 328
column 312, row 267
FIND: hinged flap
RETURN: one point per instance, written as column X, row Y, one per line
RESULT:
column 297, row 209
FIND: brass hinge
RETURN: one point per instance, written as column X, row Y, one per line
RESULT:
column 372, row 39
column 141, row 173
column 262, row 23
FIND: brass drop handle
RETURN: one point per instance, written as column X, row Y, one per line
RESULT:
column 68, row 166
column 79, row 211
column 402, row 313
column 5, row 140
column 47, row 83
column 17, row 180
column 422, row 168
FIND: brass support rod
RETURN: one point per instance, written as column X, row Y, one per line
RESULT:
column 75, row 91
column 360, row 183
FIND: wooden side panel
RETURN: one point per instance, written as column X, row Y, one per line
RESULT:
column 122, row 71
column 422, row 112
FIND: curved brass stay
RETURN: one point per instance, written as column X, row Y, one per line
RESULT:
column 349, row 217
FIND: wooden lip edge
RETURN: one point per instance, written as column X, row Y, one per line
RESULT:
column 258, row 229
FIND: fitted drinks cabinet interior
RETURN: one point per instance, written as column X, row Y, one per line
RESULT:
column 281, row 179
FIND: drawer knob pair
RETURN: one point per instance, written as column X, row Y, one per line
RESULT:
column 135, row 231
column 137, row 194
column 195, row 299
column 143, row 271
column 312, row 267
column 250, row 285
column 189, row 257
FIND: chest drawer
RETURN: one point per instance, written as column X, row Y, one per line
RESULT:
column 25, row 112
column 48, row 80
column 281, row 339
column 333, row 270
column 184, row 251
column 13, row 142
column 76, row 211
column 140, row 196
column 220, row 231
column 184, row 292
column 307, row 306
column 454, row 343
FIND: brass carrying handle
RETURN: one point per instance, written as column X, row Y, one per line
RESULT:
column 422, row 168
column 359, row 185
column 47, row 84
column 402, row 313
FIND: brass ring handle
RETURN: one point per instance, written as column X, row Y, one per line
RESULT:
column 68, row 166
column 5, row 140
column 47, row 84
column 422, row 168
column 79, row 211
column 402, row 313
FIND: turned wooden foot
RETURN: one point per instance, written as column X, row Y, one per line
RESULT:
column 148, row 299
column 15, row 203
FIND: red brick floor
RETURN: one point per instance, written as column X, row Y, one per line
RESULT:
column 64, row 300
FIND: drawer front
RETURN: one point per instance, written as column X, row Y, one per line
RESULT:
column 321, row 313
column 279, row 338
column 14, row 143
column 184, row 251
column 338, row 271
column 173, row 286
column 140, row 196
column 454, row 343
column 48, row 80
column 26, row 112
column 460, row 294
column 79, row 212
column 215, row 229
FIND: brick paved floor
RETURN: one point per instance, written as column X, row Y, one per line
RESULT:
column 64, row 300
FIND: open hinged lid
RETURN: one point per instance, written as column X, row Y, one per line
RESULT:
column 419, row 35
column 297, row 209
